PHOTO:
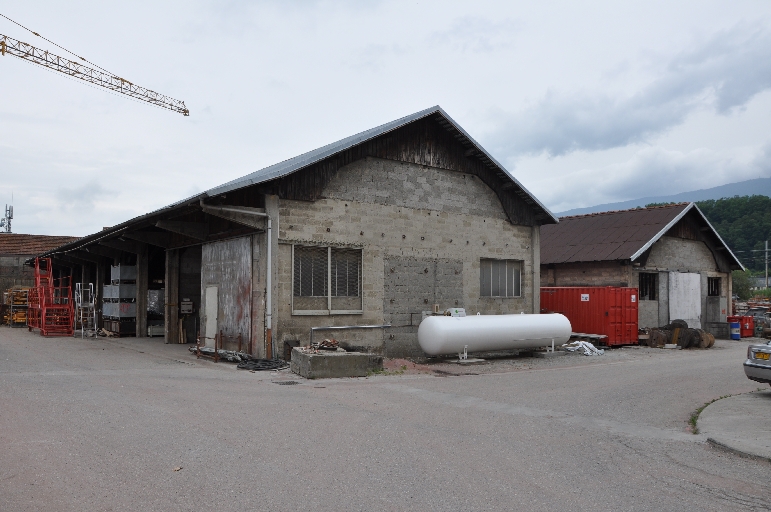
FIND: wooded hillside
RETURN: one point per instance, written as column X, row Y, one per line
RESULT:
column 744, row 223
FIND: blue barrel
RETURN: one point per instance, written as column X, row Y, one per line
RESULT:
column 735, row 328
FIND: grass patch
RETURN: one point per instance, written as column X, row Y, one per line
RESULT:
column 695, row 414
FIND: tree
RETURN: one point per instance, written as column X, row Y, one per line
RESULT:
column 741, row 284
column 744, row 224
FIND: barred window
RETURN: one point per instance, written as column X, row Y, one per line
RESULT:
column 713, row 286
column 500, row 278
column 326, row 280
column 648, row 285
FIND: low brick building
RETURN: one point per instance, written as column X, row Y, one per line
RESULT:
column 15, row 248
column 373, row 229
column 672, row 254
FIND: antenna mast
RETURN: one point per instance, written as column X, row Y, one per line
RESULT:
column 5, row 222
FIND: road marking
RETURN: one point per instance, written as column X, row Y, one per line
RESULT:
column 596, row 425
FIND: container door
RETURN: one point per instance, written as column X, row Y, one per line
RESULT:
column 614, row 311
column 685, row 298
column 631, row 311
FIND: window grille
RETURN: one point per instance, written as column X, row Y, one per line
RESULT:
column 310, row 271
column 648, row 286
column 500, row 278
column 713, row 286
column 326, row 280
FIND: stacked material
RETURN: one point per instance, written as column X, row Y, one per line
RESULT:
column 677, row 333
column 15, row 303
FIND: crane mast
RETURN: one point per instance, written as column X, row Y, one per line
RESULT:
column 22, row 50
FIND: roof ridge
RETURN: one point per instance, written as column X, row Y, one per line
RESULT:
column 639, row 208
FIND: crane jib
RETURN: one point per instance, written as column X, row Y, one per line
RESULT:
column 76, row 70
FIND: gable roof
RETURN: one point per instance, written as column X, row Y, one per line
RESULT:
column 297, row 163
column 615, row 235
column 26, row 245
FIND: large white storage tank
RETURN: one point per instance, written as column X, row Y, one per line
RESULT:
column 439, row 335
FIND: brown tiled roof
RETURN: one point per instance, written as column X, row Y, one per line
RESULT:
column 29, row 245
column 606, row 236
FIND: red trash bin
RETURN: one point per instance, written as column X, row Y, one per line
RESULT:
column 748, row 326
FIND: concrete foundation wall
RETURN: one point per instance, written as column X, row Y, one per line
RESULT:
column 648, row 314
column 410, row 218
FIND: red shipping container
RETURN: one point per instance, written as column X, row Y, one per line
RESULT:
column 747, row 329
column 607, row 310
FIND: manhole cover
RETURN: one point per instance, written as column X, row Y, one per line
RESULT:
column 286, row 383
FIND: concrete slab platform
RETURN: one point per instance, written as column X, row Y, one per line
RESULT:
column 333, row 364
column 739, row 423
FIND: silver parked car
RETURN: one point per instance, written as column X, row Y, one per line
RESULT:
column 757, row 367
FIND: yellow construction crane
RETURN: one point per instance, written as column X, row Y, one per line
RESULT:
column 100, row 76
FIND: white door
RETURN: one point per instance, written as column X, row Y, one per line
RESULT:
column 211, row 310
column 685, row 298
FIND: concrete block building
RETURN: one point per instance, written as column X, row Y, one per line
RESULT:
column 373, row 229
column 672, row 254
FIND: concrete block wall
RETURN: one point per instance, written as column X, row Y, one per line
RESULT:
column 681, row 255
column 599, row 273
column 446, row 224
column 672, row 254
column 13, row 272
column 413, row 285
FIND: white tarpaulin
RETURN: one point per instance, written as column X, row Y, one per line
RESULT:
column 685, row 298
column 587, row 348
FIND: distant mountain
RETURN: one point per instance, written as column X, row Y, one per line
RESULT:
column 759, row 186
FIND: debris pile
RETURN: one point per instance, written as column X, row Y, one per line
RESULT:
column 327, row 344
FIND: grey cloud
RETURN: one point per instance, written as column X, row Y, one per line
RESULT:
column 374, row 56
column 654, row 171
column 477, row 35
column 81, row 199
column 723, row 74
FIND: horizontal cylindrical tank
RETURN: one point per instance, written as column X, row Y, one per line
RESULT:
column 482, row 333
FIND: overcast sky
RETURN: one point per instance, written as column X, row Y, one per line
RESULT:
column 585, row 103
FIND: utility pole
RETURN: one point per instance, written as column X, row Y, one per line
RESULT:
column 766, row 263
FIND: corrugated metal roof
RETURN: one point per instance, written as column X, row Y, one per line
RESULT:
column 26, row 245
column 612, row 236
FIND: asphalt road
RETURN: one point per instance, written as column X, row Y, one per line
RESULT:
column 107, row 425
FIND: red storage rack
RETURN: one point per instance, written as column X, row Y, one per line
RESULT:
column 607, row 310
column 51, row 307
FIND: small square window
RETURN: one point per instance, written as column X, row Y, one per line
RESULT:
column 500, row 278
column 649, row 285
column 713, row 286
